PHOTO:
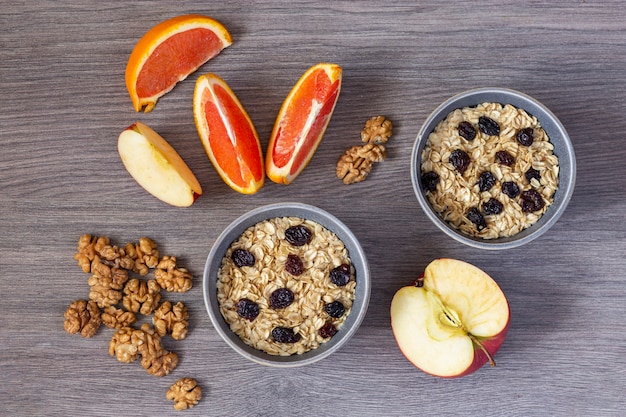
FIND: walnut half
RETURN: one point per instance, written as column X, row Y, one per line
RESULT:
column 172, row 319
column 185, row 393
column 82, row 316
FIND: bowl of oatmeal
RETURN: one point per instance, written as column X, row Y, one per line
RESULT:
column 493, row 168
column 286, row 284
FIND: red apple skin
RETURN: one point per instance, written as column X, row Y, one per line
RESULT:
column 491, row 344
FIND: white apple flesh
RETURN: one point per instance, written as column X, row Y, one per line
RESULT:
column 157, row 167
column 452, row 321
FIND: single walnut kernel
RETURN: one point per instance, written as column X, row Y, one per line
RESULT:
column 172, row 278
column 357, row 162
column 141, row 296
column 147, row 252
column 377, row 130
column 117, row 318
column 85, row 252
column 124, row 345
column 185, row 393
column 171, row 319
column 82, row 316
column 154, row 358
column 101, row 291
column 160, row 365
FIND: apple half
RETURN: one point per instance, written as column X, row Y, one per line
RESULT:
column 452, row 321
column 157, row 167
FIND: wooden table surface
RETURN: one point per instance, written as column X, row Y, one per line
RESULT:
column 63, row 103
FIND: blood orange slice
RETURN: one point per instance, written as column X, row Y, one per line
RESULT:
column 168, row 53
column 228, row 135
column 302, row 121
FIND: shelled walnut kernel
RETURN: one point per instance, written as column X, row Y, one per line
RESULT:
column 141, row 296
column 82, row 316
column 185, row 393
column 172, row 319
column 117, row 318
column 172, row 278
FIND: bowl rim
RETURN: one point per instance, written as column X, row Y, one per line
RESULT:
column 567, row 165
column 256, row 215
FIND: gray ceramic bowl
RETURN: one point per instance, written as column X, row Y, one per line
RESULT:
column 562, row 148
column 235, row 229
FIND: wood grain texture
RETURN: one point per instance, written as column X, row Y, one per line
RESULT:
column 63, row 103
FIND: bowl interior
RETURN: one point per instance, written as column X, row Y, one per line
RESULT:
column 562, row 149
column 235, row 229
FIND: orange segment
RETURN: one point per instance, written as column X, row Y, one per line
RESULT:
column 228, row 135
column 302, row 121
column 168, row 53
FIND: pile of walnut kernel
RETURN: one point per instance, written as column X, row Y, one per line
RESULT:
column 116, row 298
column 357, row 162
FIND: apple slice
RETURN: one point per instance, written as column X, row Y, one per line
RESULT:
column 452, row 321
column 157, row 167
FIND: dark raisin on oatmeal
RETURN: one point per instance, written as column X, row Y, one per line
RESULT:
column 525, row 136
column 467, row 131
column 298, row 235
column 281, row 298
column 492, row 206
column 486, row 180
column 294, row 265
column 531, row 174
column 247, row 309
column 430, row 180
column 531, row 200
column 488, row 126
column 327, row 330
column 340, row 275
column 474, row 216
column 285, row 335
column 460, row 160
column 335, row 309
column 242, row 257
column 505, row 158
column 510, row 188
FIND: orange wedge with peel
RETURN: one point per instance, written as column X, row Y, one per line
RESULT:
column 302, row 121
column 228, row 135
column 168, row 53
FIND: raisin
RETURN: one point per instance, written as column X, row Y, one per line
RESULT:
column 460, row 160
column 492, row 206
column 247, row 309
column 467, row 131
column 328, row 330
column 298, row 235
column 531, row 200
column 486, row 180
column 430, row 180
column 510, row 188
column 285, row 335
column 488, row 126
column 505, row 158
column 294, row 265
column 474, row 216
column 340, row 275
column 531, row 174
column 335, row 309
column 281, row 298
column 242, row 257
column 526, row 136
